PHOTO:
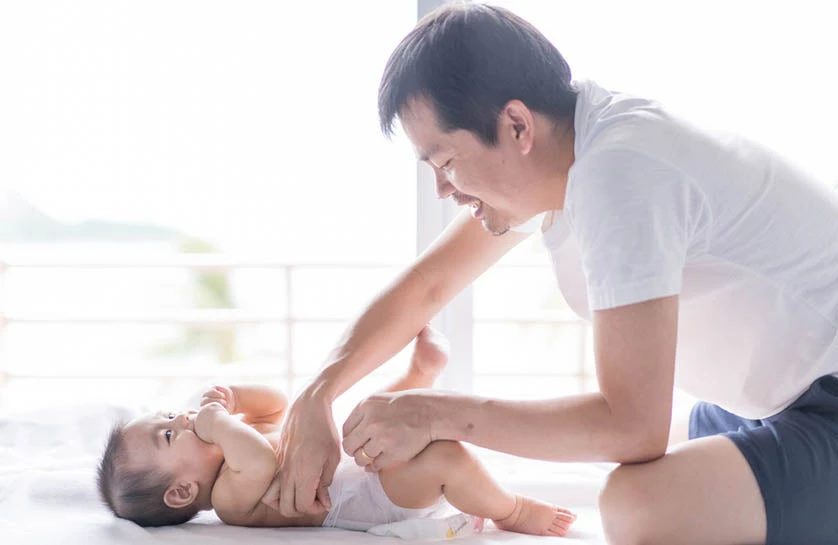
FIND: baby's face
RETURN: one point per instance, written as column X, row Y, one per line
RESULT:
column 167, row 441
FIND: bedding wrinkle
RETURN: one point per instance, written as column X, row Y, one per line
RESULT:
column 48, row 494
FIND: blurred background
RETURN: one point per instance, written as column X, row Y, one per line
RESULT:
column 198, row 191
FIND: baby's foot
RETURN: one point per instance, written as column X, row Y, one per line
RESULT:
column 537, row 518
column 461, row 525
column 430, row 353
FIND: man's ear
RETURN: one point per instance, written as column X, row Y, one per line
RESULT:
column 181, row 494
column 518, row 122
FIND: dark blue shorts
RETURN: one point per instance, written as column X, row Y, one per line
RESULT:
column 794, row 456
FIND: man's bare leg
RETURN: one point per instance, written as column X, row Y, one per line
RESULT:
column 430, row 355
column 448, row 468
column 702, row 492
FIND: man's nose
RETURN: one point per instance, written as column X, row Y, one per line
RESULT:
column 444, row 189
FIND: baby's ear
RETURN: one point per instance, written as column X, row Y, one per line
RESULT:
column 181, row 494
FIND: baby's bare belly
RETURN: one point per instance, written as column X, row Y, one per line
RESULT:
column 273, row 518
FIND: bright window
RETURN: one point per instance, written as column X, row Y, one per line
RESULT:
column 247, row 136
column 245, row 133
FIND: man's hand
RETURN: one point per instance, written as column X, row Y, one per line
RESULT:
column 224, row 395
column 389, row 428
column 307, row 456
column 271, row 495
column 205, row 421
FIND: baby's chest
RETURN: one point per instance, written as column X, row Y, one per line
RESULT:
column 269, row 432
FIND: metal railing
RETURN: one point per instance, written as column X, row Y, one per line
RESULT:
column 224, row 317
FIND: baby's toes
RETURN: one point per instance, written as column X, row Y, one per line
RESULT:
column 565, row 515
column 557, row 529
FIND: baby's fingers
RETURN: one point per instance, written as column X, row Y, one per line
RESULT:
column 211, row 397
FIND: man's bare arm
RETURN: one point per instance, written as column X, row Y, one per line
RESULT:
column 461, row 254
column 626, row 421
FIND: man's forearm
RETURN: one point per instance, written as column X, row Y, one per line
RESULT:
column 580, row 428
column 462, row 252
column 387, row 326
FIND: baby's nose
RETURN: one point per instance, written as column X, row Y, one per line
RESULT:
column 182, row 420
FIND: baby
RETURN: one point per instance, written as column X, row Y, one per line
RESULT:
column 163, row 468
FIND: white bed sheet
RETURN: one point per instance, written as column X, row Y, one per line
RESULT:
column 48, row 494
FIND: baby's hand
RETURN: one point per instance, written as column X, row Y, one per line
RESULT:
column 206, row 419
column 222, row 395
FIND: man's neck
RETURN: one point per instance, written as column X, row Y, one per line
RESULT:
column 555, row 159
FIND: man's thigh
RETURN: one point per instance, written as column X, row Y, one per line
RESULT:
column 794, row 458
column 703, row 492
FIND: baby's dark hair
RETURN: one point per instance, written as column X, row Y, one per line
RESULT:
column 136, row 494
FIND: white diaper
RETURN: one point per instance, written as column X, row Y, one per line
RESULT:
column 359, row 502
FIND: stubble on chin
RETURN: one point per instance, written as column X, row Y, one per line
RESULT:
column 495, row 231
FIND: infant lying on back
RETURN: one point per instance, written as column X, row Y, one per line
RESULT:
column 163, row 468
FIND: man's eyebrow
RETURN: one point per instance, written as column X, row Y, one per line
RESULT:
column 425, row 156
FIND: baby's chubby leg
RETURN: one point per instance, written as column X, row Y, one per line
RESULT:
column 430, row 355
column 447, row 468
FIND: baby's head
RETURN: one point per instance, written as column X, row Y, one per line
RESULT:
column 156, row 471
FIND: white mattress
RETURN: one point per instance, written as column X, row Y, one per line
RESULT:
column 48, row 494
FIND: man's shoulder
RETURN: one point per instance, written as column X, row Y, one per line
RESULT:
column 606, row 117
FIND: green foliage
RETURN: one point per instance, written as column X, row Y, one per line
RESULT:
column 210, row 289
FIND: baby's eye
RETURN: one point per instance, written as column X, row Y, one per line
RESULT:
column 171, row 416
column 446, row 166
column 168, row 435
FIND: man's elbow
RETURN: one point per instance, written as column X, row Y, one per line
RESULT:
column 641, row 446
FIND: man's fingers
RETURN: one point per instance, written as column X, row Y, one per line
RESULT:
column 304, row 500
column 352, row 444
column 353, row 420
column 360, row 459
column 271, row 496
column 382, row 461
column 286, row 499
column 298, row 498
column 326, row 479
column 373, row 448
column 354, row 438
column 323, row 499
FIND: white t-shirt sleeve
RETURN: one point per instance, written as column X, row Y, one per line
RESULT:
column 635, row 219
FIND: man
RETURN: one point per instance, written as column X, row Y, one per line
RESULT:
column 702, row 260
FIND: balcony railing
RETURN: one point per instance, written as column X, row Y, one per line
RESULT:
column 221, row 317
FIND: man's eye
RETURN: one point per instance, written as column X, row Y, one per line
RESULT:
column 171, row 416
column 446, row 166
column 168, row 435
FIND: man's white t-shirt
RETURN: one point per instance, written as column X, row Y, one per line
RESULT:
column 657, row 207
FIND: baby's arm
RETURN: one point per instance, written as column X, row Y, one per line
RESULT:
column 249, row 466
column 258, row 403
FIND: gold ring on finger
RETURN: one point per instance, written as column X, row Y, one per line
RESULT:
column 366, row 455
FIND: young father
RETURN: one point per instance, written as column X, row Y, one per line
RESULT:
column 703, row 260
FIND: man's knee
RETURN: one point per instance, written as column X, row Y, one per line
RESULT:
column 627, row 508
